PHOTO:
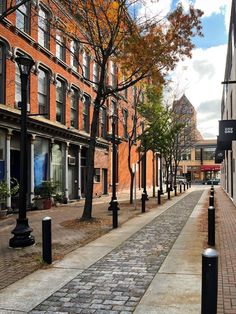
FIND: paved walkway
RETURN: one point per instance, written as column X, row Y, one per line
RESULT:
column 112, row 274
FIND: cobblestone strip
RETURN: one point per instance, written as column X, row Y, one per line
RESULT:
column 117, row 282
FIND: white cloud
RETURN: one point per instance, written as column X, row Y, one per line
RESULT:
column 200, row 79
column 155, row 8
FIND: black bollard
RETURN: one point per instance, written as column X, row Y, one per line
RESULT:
column 159, row 197
column 115, row 208
column 211, row 225
column 212, row 192
column 180, row 188
column 209, row 281
column 189, row 184
column 175, row 188
column 184, row 186
column 211, row 200
column 47, row 240
column 168, row 194
column 143, row 202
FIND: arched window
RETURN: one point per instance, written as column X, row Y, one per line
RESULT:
column 23, row 17
column 43, row 28
column 60, row 101
column 74, row 104
column 43, row 91
column 2, row 72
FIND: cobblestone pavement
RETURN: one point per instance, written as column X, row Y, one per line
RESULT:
column 116, row 283
column 225, row 245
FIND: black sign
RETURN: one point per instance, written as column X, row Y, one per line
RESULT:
column 219, row 156
column 223, row 145
column 227, row 130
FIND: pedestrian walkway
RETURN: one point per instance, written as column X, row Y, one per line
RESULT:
column 113, row 273
column 226, row 245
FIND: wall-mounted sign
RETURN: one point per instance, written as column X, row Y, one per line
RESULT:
column 219, row 156
column 210, row 168
column 223, row 145
column 227, row 130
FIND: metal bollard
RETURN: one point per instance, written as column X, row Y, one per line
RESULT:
column 211, row 225
column 143, row 202
column 47, row 240
column 184, row 186
column 209, row 281
column 187, row 185
column 168, row 193
column 159, row 197
column 211, row 200
column 175, row 188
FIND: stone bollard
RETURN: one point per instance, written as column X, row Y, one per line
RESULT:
column 47, row 240
column 209, row 281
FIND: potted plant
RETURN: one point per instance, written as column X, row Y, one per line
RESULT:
column 45, row 192
column 5, row 192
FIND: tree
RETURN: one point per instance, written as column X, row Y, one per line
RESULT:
column 144, row 49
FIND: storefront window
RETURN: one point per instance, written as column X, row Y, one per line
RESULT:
column 209, row 153
column 41, row 151
column 198, row 154
column 57, row 163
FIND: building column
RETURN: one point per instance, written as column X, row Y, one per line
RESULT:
column 8, row 165
column 50, row 160
column 79, row 171
column 32, row 169
column 66, row 173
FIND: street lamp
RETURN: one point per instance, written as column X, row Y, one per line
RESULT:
column 21, row 232
column 145, row 169
column 114, row 203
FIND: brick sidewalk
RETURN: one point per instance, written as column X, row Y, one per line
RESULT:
column 226, row 246
column 66, row 236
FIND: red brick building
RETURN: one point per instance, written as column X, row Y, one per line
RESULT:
column 58, row 137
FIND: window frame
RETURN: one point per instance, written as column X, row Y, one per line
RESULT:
column 86, row 113
column 86, row 65
column 74, row 50
column 26, row 17
column 97, row 175
column 74, row 109
column 60, row 48
column 46, row 93
column 44, row 29
column 61, row 104
column 2, row 72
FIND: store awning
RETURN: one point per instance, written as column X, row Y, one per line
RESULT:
column 210, row 168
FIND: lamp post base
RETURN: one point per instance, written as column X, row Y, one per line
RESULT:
column 22, row 237
column 110, row 208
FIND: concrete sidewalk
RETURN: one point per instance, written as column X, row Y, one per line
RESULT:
column 177, row 281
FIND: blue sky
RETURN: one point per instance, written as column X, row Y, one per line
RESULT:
column 200, row 77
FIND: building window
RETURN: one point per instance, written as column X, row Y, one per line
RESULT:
column 95, row 73
column 209, row 153
column 2, row 72
column 2, row 6
column 23, row 17
column 43, row 91
column 103, row 122
column 43, row 28
column 86, row 65
column 74, row 99
column 86, row 106
column 134, row 128
column 114, row 111
column 125, row 123
column 97, row 177
column 60, row 48
column 74, row 54
column 60, row 101
column 198, row 154
column 113, row 75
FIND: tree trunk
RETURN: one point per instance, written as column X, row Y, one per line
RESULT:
column 87, row 213
column 131, row 187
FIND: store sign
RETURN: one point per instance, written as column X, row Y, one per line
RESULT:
column 227, row 130
column 219, row 156
column 223, row 145
column 210, row 168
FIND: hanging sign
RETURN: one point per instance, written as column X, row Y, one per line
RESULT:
column 219, row 156
column 227, row 130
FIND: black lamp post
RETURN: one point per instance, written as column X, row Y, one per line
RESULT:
column 21, row 232
column 145, row 170
column 114, row 203
column 161, row 184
